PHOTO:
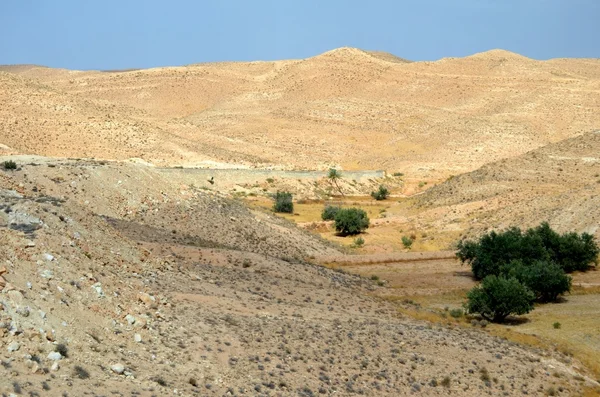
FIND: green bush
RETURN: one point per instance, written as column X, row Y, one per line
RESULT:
column 329, row 212
column 546, row 279
column 407, row 241
column 495, row 250
column 456, row 313
column 358, row 242
column 283, row 202
column 381, row 194
column 350, row 221
column 498, row 297
column 9, row 165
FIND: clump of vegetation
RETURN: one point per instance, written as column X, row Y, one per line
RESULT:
column 498, row 297
column 358, row 242
column 9, row 165
column 351, row 221
column 381, row 194
column 407, row 241
column 81, row 372
column 556, row 325
column 546, row 279
column 494, row 251
column 456, row 313
column 398, row 174
column 329, row 212
column 283, row 202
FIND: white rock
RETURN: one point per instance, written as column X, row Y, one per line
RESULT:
column 55, row 366
column 13, row 347
column 118, row 368
column 98, row 288
column 49, row 257
column 137, row 338
column 43, row 314
column 55, row 356
column 130, row 319
column 29, row 285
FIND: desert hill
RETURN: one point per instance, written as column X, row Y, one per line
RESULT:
column 114, row 275
column 353, row 108
column 558, row 183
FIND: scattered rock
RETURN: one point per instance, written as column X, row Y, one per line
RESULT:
column 118, row 368
column 146, row 298
column 13, row 346
column 137, row 338
column 130, row 319
column 55, row 356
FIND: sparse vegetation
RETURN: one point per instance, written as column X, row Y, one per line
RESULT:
column 407, row 242
column 351, row 221
column 329, row 212
column 358, row 242
column 283, row 203
column 556, row 325
column 398, row 174
column 381, row 194
column 9, row 165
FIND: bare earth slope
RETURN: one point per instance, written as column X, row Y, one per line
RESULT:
column 85, row 302
column 350, row 107
column 558, row 183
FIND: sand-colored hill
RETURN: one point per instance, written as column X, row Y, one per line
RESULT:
column 558, row 183
column 358, row 109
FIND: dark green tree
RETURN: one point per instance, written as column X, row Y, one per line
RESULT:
column 283, row 202
column 498, row 297
column 329, row 212
column 350, row 221
column 546, row 279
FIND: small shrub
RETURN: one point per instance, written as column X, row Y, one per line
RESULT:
column 381, row 194
column 359, row 242
column 329, row 212
column 375, row 277
column 446, row 381
column 62, row 349
column 283, row 202
column 456, row 313
column 398, row 174
column 556, row 325
column 81, row 372
column 351, row 221
column 498, row 297
column 270, row 180
column 9, row 165
column 407, row 242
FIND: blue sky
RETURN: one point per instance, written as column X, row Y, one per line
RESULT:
column 114, row 34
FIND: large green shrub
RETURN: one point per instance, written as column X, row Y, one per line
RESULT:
column 329, row 212
column 350, row 221
column 283, row 202
column 381, row 194
column 495, row 250
column 498, row 297
column 546, row 279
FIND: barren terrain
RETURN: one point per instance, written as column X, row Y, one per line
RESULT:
column 127, row 270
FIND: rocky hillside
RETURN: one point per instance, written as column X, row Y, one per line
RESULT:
column 114, row 279
column 558, row 183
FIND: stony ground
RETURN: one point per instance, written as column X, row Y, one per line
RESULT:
column 116, row 282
